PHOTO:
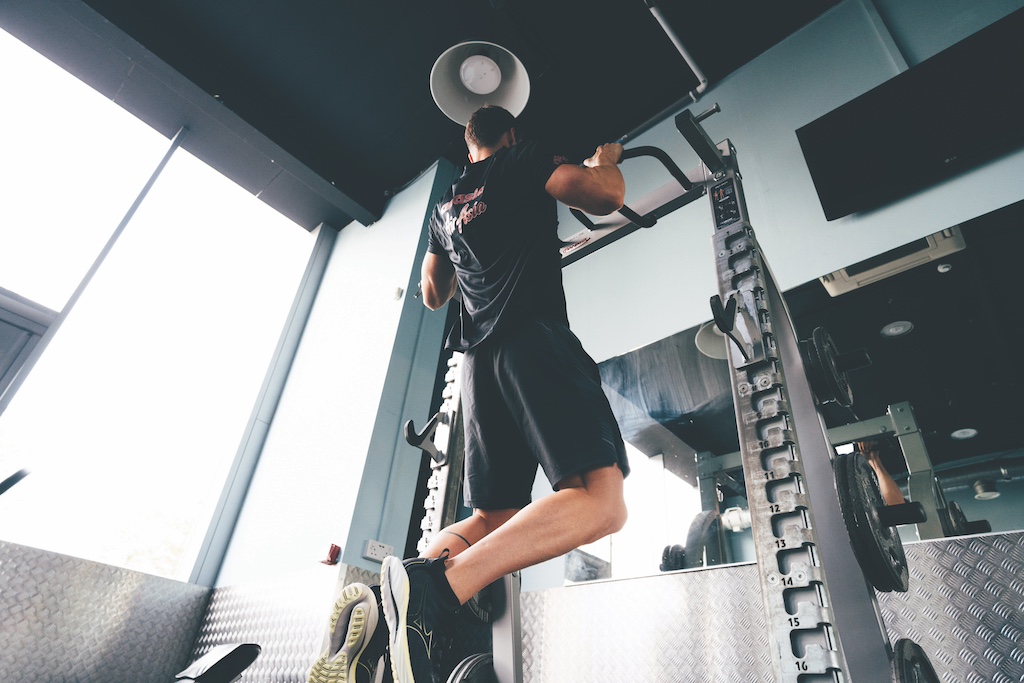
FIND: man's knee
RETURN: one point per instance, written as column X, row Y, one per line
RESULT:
column 614, row 515
column 606, row 486
column 492, row 519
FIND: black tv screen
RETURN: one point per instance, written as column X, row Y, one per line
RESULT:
column 950, row 113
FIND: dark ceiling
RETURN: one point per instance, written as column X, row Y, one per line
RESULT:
column 343, row 86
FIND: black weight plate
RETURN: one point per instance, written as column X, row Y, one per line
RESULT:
column 672, row 558
column 837, row 386
column 877, row 547
column 812, row 367
column 702, row 533
column 481, row 606
column 957, row 519
column 910, row 664
column 475, row 669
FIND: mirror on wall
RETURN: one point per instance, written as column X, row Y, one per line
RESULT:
column 940, row 320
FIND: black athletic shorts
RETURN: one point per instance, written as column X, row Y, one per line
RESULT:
column 533, row 397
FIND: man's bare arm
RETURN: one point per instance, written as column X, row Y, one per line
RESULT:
column 597, row 187
column 437, row 280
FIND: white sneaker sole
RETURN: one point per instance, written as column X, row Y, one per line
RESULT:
column 355, row 612
column 395, row 600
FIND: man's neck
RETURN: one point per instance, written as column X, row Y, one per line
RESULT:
column 484, row 153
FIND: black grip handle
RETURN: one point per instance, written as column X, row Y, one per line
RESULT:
column 649, row 220
column 664, row 158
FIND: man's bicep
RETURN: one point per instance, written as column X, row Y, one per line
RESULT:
column 597, row 191
column 568, row 184
column 437, row 281
column 436, row 267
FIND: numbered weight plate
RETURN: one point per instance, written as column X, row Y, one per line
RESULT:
column 910, row 664
column 474, row 669
column 878, row 548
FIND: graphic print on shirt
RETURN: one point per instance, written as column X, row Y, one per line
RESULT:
column 471, row 205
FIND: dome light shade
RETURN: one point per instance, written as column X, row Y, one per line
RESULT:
column 711, row 342
column 469, row 75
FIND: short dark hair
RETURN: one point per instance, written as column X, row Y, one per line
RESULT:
column 487, row 125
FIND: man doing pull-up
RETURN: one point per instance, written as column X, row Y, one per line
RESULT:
column 530, row 393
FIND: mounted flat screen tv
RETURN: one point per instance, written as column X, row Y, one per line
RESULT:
column 950, row 113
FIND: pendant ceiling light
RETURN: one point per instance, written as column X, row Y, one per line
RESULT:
column 469, row 75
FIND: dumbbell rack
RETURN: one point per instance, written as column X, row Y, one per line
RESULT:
column 441, row 439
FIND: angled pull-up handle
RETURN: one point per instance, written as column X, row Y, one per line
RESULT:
column 650, row 219
column 663, row 157
column 425, row 440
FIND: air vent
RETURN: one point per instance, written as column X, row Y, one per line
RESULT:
column 895, row 261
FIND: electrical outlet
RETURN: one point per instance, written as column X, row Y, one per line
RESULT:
column 377, row 551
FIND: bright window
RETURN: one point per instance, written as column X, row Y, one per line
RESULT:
column 71, row 164
column 132, row 417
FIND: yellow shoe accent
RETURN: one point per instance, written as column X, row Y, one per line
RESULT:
column 350, row 613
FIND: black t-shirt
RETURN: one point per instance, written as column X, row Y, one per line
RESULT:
column 499, row 228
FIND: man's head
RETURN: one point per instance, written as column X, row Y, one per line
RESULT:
column 487, row 129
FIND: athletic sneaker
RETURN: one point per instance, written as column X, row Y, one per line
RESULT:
column 418, row 606
column 356, row 640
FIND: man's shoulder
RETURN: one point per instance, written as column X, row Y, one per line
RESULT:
column 538, row 152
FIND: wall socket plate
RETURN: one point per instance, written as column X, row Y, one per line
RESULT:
column 377, row 551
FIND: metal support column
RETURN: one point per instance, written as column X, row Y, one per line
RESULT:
column 922, row 484
column 822, row 614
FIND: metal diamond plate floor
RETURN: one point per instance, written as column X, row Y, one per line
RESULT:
column 685, row 627
column 66, row 620
column 965, row 607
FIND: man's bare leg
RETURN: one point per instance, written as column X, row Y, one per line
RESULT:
column 584, row 509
